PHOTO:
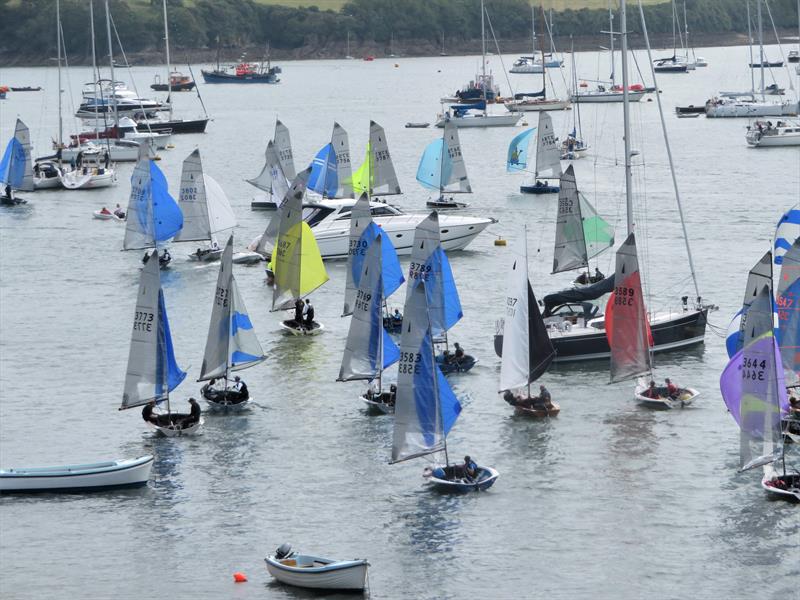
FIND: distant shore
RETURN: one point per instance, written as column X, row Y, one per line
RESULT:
column 402, row 49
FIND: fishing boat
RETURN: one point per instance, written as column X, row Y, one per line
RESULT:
column 426, row 408
column 152, row 371
column 442, row 169
column 547, row 165
column 373, row 274
column 429, row 263
column 301, row 570
column 766, row 135
column 376, row 175
column 527, row 349
column 153, row 216
column 296, row 261
column 205, row 207
column 176, row 82
column 243, row 72
column 278, row 170
column 93, row 170
column 92, row 477
column 16, row 172
column 231, row 345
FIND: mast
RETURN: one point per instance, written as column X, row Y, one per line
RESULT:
column 58, row 43
column 541, row 46
column 750, row 46
column 95, row 74
column 111, row 63
column 760, row 45
column 169, row 64
column 483, row 55
column 686, row 30
column 626, row 115
column 611, row 35
column 533, row 32
column 674, row 18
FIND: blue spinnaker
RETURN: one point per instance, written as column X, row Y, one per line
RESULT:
column 166, row 354
column 323, row 178
column 167, row 215
column 437, row 408
column 12, row 167
column 517, row 159
column 392, row 272
column 444, row 305
column 787, row 231
column 434, row 166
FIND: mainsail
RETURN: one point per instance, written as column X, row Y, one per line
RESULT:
column 16, row 170
column 548, row 153
column 297, row 262
column 362, row 233
column 518, row 150
column 231, row 344
column 627, row 328
column 205, row 207
column 376, row 175
column 527, row 349
column 153, row 215
column 369, row 348
column 152, row 370
column 442, row 167
column 788, row 304
column 297, row 190
column 581, row 233
column 283, row 146
column 425, row 406
column 344, row 172
column 759, row 276
column 278, row 167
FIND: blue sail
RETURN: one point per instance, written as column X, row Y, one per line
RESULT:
column 166, row 354
column 392, row 272
column 12, row 167
column 323, row 178
column 391, row 353
column 517, row 159
column 437, row 408
column 167, row 215
column 786, row 232
column 444, row 305
column 434, row 166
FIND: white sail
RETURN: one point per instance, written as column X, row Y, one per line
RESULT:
column 23, row 136
column 454, row 178
column 231, row 344
column 548, row 153
column 192, row 201
column 140, row 228
column 143, row 376
column 361, row 359
column 570, row 250
column 360, row 219
column 515, row 367
column 344, row 170
column 383, row 179
column 283, row 147
column 427, row 238
column 220, row 213
column 273, row 179
column 267, row 239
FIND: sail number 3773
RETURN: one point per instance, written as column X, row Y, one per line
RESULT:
column 143, row 321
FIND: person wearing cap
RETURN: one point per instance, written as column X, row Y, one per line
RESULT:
column 194, row 414
column 470, row 469
column 672, row 389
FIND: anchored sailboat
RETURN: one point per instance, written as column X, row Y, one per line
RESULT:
column 376, row 175
column 441, row 168
column 527, row 349
column 205, row 207
column 232, row 344
column 152, row 371
column 426, row 408
column 278, row 170
column 16, row 172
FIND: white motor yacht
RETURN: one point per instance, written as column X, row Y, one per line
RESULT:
column 783, row 133
column 330, row 222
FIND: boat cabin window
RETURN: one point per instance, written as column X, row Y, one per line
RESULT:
column 316, row 213
column 382, row 211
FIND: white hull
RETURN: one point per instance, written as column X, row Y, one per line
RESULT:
column 587, row 97
column 771, row 474
column 47, row 183
column 75, row 180
column 536, row 106
column 773, row 141
column 106, row 216
column 378, row 407
column 299, row 331
column 508, row 120
column 120, row 473
column 750, row 109
column 686, row 397
column 527, row 69
column 206, row 256
column 319, row 573
column 456, row 233
column 247, row 258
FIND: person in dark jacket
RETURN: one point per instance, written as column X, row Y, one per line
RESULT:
column 147, row 412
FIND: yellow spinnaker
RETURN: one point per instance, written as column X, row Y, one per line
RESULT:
column 299, row 269
column 362, row 179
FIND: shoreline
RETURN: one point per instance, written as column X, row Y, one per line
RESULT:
column 409, row 49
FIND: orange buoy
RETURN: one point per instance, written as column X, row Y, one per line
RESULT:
column 239, row 577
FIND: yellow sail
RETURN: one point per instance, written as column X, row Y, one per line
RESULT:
column 299, row 269
column 362, row 178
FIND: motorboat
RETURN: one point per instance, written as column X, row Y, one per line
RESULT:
column 302, row 570
column 450, row 479
column 663, row 399
column 330, row 222
column 673, row 64
column 178, row 82
column 90, row 477
column 93, row 170
column 530, row 104
column 47, row 174
column 462, row 117
column 765, row 135
column 118, row 150
column 244, row 72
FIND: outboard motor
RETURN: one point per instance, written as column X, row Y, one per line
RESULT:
column 283, row 551
column 685, row 301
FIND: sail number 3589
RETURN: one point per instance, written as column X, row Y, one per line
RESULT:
column 623, row 296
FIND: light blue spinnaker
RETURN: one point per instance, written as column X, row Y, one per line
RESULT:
column 433, row 166
column 787, row 301
column 517, row 159
column 15, row 167
column 323, row 178
column 786, row 232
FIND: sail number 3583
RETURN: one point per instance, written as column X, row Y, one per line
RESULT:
column 409, row 363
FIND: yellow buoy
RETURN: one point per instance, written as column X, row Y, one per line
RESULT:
column 499, row 242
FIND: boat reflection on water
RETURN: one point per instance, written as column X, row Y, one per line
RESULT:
column 166, row 477
column 434, row 526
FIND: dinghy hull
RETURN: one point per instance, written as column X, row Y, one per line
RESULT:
column 319, row 573
column 437, row 479
column 685, row 398
column 78, row 478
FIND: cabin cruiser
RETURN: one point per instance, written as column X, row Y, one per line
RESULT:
column 330, row 222
column 105, row 98
column 748, row 106
column 782, row 133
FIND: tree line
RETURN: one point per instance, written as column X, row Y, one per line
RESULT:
column 28, row 28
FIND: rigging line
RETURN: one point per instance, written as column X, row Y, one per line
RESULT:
column 669, row 155
column 133, row 82
column 780, row 49
column 561, row 60
column 499, row 55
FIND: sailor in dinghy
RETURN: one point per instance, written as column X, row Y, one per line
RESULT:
column 16, row 172
column 442, row 169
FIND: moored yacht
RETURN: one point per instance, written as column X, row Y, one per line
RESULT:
column 783, row 133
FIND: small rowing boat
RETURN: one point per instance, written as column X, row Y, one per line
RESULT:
column 78, row 478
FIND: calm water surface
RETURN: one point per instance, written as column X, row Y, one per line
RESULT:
column 608, row 500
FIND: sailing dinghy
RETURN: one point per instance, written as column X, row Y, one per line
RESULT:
column 426, row 408
column 16, row 172
column 297, row 262
column 331, row 171
column 152, row 371
column 527, row 349
column 442, row 169
column 277, row 172
column 548, row 157
column 376, row 176
column 232, row 344
column 205, row 207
